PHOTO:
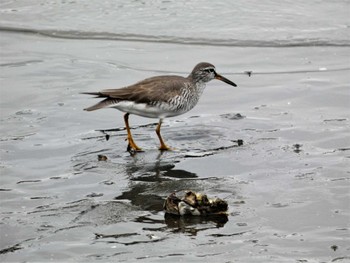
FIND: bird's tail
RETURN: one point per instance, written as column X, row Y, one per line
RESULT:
column 97, row 94
column 97, row 106
column 102, row 104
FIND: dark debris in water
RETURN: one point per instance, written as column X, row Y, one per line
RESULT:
column 55, row 177
column 228, row 235
column 108, row 182
column 148, row 220
column 5, row 189
column 279, row 205
column 232, row 116
column 95, row 195
column 17, row 138
column 102, row 157
column 237, row 143
column 180, row 174
column 340, row 259
column 10, row 249
column 28, row 181
column 261, row 106
column 334, row 247
column 248, row 72
column 297, row 148
column 99, row 236
column 142, row 241
column 343, row 149
column 68, row 228
column 339, row 119
column 24, row 112
column 40, row 197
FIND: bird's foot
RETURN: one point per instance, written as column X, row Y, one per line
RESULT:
column 163, row 147
column 133, row 148
column 133, row 151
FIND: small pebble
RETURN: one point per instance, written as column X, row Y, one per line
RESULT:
column 102, row 157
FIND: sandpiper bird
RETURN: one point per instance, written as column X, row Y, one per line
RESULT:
column 158, row 97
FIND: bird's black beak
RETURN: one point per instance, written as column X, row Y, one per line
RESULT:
column 219, row 77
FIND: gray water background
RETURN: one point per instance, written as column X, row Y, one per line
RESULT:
column 287, row 186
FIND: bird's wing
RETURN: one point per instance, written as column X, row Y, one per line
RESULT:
column 161, row 88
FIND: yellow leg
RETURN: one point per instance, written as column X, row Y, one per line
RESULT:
column 163, row 146
column 132, row 144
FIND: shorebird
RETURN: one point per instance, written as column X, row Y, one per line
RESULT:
column 158, row 97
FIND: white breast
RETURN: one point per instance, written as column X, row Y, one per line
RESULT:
column 145, row 110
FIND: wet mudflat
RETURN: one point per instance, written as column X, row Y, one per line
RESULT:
column 276, row 148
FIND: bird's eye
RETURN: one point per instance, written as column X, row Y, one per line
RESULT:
column 209, row 70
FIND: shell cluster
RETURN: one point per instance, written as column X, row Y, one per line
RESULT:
column 193, row 203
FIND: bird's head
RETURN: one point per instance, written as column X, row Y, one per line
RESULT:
column 205, row 72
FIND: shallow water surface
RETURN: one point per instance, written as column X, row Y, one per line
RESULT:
column 287, row 184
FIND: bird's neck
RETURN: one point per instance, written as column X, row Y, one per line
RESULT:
column 200, row 86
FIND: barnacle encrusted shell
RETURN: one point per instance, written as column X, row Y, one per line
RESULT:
column 193, row 203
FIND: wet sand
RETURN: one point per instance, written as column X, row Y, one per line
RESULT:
column 287, row 186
